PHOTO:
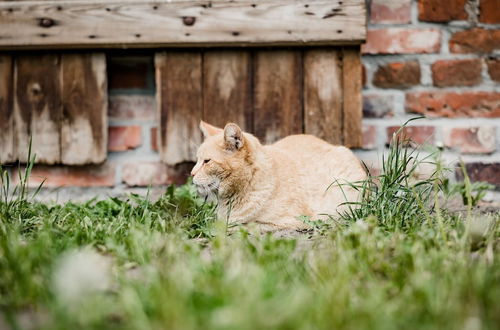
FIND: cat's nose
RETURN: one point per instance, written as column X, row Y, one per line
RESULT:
column 195, row 169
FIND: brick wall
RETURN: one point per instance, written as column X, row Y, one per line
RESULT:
column 440, row 59
column 421, row 57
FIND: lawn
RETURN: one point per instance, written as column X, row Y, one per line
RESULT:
column 399, row 261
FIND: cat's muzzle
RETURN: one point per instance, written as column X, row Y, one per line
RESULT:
column 207, row 190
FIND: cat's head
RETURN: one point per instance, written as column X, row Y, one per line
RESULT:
column 224, row 160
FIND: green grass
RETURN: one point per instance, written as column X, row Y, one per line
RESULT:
column 398, row 261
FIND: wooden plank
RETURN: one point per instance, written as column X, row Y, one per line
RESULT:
column 352, row 81
column 323, row 94
column 37, row 107
column 118, row 24
column 179, row 102
column 227, row 88
column 84, row 95
column 8, row 152
column 277, row 94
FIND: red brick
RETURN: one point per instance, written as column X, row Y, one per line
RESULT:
column 394, row 11
column 452, row 104
column 369, row 137
column 72, row 176
column 154, row 138
column 128, row 72
column 378, row 105
column 494, row 68
column 457, row 72
column 417, row 134
column 470, row 140
column 489, row 11
column 397, row 75
column 439, row 11
column 139, row 107
column 142, row 174
column 402, row 41
column 122, row 138
column 475, row 40
column 477, row 171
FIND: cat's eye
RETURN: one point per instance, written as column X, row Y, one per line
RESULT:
column 206, row 161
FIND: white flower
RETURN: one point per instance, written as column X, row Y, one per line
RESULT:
column 362, row 225
column 80, row 272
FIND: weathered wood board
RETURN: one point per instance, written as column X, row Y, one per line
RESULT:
column 59, row 103
column 84, row 125
column 8, row 151
column 277, row 94
column 180, row 104
column 128, row 23
column 38, row 107
column 353, row 135
column 227, row 88
column 323, row 94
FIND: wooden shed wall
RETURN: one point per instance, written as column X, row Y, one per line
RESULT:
column 269, row 92
column 58, row 100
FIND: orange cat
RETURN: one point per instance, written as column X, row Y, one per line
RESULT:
column 272, row 185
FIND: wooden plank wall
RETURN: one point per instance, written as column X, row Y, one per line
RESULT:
column 271, row 93
column 227, row 87
column 7, row 129
column 59, row 103
column 277, row 94
column 323, row 101
column 38, row 107
column 352, row 81
column 84, row 125
column 179, row 90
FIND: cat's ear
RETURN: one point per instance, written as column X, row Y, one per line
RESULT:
column 233, row 137
column 208, row 130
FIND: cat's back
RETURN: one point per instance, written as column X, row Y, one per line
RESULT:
column 318, row 164
column 308, row 149
column 308, row 145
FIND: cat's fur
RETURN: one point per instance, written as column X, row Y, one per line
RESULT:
column 272, row 185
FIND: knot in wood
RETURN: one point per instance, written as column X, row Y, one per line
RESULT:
column 46, row 22
column 188, row 20
column 35, row 92
column 36, row 89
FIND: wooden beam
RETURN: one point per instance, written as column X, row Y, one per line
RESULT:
column 179, row 102
column 8, row 150
column 84, row 127
column 56, row 24
column 227, row 88
column 323, row 94
column 277, row 94
column 352, row 81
